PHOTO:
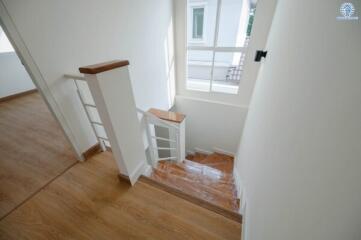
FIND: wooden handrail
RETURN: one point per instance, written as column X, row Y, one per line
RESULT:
column 102, row 67
column 168, row 116
column 157, row 119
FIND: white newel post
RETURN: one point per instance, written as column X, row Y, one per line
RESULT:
column 182, row 140
column 180, row 143
column 112, row 91
column 175, row 122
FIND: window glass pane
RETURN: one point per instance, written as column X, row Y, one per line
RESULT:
column 201, row 22
column 199, row 66
column 250, row 21
column 233, row 23
column 228, row 69
column 198, row 18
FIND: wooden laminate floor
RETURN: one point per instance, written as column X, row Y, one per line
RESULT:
column 33, row 150
column 89, row 202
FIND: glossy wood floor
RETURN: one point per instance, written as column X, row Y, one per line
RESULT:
column 208, row 177
column 89, row 202
column 33, row 150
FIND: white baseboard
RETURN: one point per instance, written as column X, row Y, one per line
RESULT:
column 139, row 170
column 199, row 150
column 219, row 150
column 147, row 170
column 190, row 152
column 237, row 182
column 214, row 149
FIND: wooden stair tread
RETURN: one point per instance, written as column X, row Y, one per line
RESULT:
column 197, row 157
column 186, row 170
column 198, row 201
column 206, row 177
column 197, row 168
column 218, row 161
column 196, row 186
column 200, row 180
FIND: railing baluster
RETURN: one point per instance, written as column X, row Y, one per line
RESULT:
column 149, row 120
column 100, row 139
column 150, row 142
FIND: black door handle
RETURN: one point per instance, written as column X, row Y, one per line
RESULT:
column 259, row 55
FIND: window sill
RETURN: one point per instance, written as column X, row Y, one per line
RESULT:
column 207, row 64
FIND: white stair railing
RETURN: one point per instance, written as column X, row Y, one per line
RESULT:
column 150, row 121
column 88, row 103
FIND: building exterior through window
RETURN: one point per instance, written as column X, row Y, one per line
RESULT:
column 218, row 32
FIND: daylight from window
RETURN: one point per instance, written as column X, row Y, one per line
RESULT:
column 5, row 45
column 218, row 33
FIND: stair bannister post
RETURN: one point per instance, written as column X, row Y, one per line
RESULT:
column 176, row 125
column 111, row 88
column 182, row 140
column 152, row 147
column 177, row 143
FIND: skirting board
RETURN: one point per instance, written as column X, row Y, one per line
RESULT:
column 16, row 95
column 215, row 149
column 91, row 151
column 141, row 169
column 224, row 152
column 199, row 150
column 237, row 182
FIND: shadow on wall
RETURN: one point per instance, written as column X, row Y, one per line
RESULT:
column 170, row 64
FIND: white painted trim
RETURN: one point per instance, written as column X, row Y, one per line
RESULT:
column 221, row 151
column 262, row 21
column 147, row 170
column 237, row 182
column 244, row 223
column 217, row 49
column 139, row 170
column 33, row 70
column 208, row 64
column 210, row 101
column 199, row 150
column 215, row 41
column 190, row 152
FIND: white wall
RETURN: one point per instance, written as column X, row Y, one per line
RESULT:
column 300, row 152
column 211, row 125
column 63, row 35
column 13, row 76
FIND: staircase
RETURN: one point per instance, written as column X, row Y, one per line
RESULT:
column 205, row 179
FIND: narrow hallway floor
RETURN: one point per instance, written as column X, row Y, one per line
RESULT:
column 33, row 150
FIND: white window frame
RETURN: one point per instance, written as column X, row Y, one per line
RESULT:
column 192, row 6
column 214, row 48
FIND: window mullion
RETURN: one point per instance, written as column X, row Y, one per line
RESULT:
column 219, row 3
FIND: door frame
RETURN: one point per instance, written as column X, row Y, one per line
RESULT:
column 27, row 60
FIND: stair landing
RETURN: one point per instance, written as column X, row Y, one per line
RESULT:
column 207, row 177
